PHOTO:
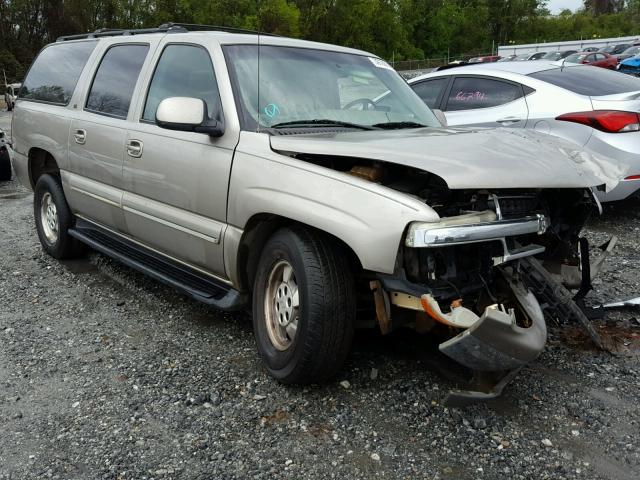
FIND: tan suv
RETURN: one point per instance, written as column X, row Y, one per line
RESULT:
column 303, row 181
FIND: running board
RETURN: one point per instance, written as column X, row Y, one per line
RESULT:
column 189, row 281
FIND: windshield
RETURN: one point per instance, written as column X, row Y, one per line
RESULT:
column 522, row 56
column 307, row 87
column 553, row 56
column 576, row 58
column 631, row 51
column 607, row 49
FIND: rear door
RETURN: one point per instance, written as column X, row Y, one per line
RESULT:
column 175, row 182
column 97, row 136
column 600, row 60
column 485, row 101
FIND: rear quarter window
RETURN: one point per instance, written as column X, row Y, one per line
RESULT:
column 54, row 74
column 590, row 81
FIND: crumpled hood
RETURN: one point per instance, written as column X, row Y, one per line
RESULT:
column 469, row 158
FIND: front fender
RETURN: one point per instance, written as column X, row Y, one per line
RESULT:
column 368, row 217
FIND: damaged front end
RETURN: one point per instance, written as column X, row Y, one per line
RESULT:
column 505, row 249
column 466, row 278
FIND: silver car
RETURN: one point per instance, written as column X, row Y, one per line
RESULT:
column 256, row 172
column 592, row 107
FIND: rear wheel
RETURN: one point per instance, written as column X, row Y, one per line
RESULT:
column 303, row 306
column 54, row 219
column 5, row 165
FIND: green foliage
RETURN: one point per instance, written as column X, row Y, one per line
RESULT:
column 398, row 29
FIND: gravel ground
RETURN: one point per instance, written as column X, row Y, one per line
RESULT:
column 105, row 374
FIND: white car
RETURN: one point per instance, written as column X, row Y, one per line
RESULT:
column 592, row 107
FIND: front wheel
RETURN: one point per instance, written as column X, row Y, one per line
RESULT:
column 303, row 306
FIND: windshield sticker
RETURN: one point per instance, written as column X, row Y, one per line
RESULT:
column 380, row 63
column 272, row 110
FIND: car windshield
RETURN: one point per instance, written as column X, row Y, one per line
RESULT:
column 576, row 58
column 631, row 51
column 607, row 49
column 302, row 87
column 552, row 56
column 522, row 56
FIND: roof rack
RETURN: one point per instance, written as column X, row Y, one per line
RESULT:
column 164, row 28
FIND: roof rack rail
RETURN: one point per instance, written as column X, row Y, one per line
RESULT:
column 164, row 28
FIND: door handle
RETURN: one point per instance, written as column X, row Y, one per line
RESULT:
column 508, row 120
column 134, row 148
column 80, row 136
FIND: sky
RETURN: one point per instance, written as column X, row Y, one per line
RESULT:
column 556, row 6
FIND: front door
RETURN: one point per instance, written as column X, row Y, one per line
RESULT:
column 175, row 183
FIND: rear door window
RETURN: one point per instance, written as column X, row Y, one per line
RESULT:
column 183, row 71
column 116, row 79
column 430, row 90
column 593, row 82
column 468, row 93
column 55, row 72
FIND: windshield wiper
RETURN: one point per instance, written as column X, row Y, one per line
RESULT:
column 320, row 122
column 398, row 125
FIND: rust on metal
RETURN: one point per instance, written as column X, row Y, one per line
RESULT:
column 382, row 306
column 373, row 174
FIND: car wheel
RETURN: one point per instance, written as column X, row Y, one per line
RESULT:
column 303, row 306
column 5, row 165
column 54, row 219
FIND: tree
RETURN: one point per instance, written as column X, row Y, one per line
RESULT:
column 598, row 7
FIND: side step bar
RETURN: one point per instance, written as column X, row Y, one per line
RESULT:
column 189, row 281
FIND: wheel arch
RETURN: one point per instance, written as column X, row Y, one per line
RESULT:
column 259, row 228
column 41, row 161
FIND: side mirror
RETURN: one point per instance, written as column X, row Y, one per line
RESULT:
column 440, row 116
column 187, row 114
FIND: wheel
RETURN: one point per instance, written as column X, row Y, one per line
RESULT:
column 5, row 165
column 303, row 306
column 53, row 219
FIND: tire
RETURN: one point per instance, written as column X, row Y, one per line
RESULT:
column 5, row 165
column 53, row 228
column 325, row 315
